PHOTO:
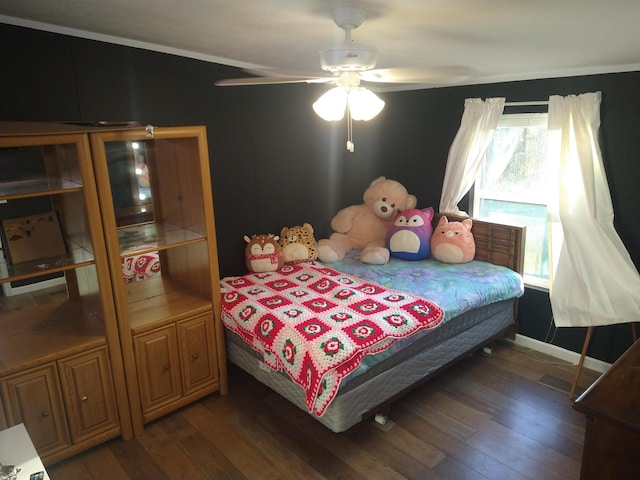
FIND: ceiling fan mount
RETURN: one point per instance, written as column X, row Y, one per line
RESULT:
column 350, row 56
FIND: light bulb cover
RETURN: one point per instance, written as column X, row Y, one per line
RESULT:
column 332, row 104
column 364, row 104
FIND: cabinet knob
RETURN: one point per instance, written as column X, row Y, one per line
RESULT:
column 45, row 413
column 165, row 368
column 84, row 399
column 195, row 355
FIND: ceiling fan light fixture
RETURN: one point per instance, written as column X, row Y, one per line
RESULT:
column 364, row 104
column 332, row 104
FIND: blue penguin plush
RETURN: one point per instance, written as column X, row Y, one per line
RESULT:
column 409, row 237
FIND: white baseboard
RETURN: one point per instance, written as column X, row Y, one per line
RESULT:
column 561, row 353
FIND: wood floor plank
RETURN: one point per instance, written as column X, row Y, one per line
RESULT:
column 283, row 459
column 72, row 468
column 342, row 448
column 136, row 461
column 102, row 463
column 212, row 463
column 532, row 448
column 173, row 460
column 411, row 456
column 244, row 456
column 525, row 464
column 476, row 463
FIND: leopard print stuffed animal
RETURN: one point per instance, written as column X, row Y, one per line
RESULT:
column 298, row 244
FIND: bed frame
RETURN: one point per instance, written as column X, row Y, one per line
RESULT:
column 495, row 243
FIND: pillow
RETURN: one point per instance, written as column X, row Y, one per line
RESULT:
column 452, row 242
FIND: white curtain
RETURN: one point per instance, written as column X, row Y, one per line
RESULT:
column 479, row 122
column 594, row 280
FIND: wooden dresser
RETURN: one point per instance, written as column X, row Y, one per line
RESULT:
column 612, row 406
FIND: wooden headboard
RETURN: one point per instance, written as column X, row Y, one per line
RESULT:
column 497, row 243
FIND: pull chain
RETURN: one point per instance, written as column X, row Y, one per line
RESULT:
column 350, row 145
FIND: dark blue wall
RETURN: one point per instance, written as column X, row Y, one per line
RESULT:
column 275, row 163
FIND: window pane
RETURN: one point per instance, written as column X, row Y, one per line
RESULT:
column 512, row 187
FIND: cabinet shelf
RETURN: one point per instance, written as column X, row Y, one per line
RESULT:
column 152, row 237
column 159, row 301
column 37, row 187
column 50, row 332
column 75, row 258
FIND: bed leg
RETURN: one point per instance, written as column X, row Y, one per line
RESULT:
column 381, row 418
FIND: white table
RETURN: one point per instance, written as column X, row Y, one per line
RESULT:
column 17, row 449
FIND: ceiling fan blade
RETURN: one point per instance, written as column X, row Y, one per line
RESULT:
column 237, row 82
column 276, row 72
column 418, row 75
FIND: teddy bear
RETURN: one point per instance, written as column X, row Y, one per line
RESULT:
column 409, row 238
column 298, row 244
column 453, row 242
column 364, row 227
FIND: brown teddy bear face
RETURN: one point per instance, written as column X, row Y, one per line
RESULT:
column 387, row 198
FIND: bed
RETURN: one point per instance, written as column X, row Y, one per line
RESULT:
column 450, row 323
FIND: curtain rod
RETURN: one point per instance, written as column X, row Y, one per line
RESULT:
column 517, row 104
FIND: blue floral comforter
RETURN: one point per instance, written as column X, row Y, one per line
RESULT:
column 456, row 288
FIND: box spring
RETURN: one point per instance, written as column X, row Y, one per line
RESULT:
column 359, row 396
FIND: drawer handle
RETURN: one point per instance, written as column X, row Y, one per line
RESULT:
column 195, row 355
column 165, row 368
column 45, row 413
column 84, row 399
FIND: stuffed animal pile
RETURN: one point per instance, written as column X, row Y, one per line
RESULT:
column 386, row 224
column 365, row 226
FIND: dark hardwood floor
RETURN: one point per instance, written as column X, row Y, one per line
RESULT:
column 502, row 416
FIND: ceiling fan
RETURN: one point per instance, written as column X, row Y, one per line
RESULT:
column 348, row 67
column 352, row 63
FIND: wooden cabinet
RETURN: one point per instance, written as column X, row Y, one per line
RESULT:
column 169, row 321
column 89, row 396
column 34, row 397
column 158, row 368
column 50, row 219
column 64, row 405
column 175, row 363
column 104, row 353
column 612, row 408
column 198, row 364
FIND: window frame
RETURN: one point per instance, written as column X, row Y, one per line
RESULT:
column 534, row 119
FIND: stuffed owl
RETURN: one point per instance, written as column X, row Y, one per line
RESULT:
column 409, row 237
column 452, row 242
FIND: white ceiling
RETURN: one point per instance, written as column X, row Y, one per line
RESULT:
column 500, row 40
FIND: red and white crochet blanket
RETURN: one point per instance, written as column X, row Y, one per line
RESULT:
column 317, row 324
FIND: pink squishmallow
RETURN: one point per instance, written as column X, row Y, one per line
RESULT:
column 452, row 242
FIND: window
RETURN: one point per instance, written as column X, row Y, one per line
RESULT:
column 512, row 187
